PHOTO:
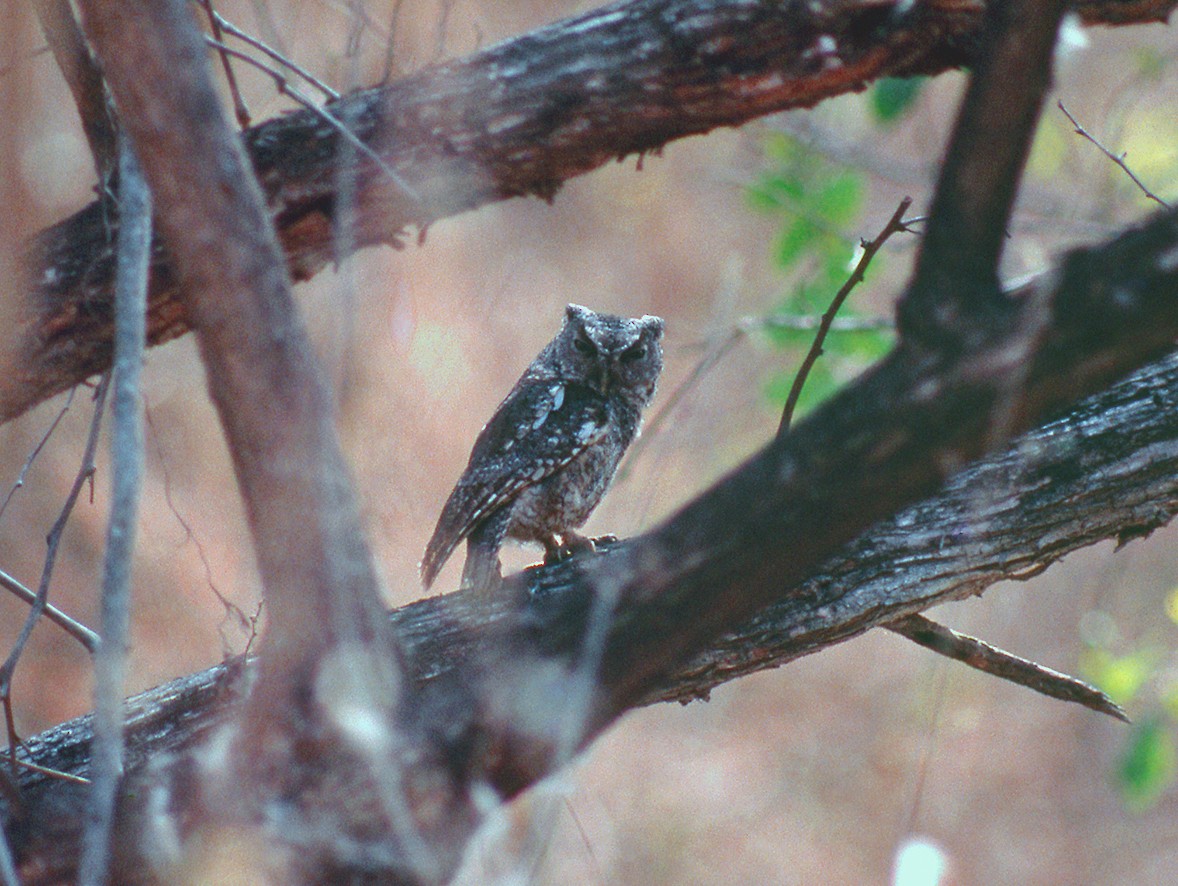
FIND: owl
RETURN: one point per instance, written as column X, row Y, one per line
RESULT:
column 545, row 459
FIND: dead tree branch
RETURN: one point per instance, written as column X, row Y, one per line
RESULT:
column 625, row 623
column 516, row 119
column 326, row 652
column 1007, row 517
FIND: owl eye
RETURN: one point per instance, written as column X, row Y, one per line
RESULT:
column 584, row 346
column 635, row 353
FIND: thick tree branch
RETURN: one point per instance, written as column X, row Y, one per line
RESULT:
column 84, row 79
column 326, row 650
column 515, row 119
column 1008, row 517
column 955, row 292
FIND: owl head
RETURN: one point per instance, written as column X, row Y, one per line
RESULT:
column 617, row 356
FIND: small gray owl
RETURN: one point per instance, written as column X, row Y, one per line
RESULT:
column 543, row 462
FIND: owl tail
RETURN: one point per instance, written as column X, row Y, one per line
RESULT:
column 437, row 552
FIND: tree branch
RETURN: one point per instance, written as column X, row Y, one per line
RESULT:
column 518, row 118
column 955, row 293
column 999, row 663
column 1007, row 517
column 326, row 651
column 84, row 79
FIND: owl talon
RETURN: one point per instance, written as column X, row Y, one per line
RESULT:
column 573, row 544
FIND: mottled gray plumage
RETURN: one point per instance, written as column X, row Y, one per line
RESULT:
column 546, row 457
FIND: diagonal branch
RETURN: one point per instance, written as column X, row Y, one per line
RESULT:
column 992, row 660
column 1007, row 517
column 954, row 293
column 84, row 79
column 276, row 410
column 519, row 118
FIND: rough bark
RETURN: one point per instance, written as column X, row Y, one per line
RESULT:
column 629, row 620
column 516, row 119
column 1007, row 517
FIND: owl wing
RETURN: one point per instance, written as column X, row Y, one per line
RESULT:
column 536, row 431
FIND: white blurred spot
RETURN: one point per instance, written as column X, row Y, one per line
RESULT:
column 919, row 862
column 1072, row 36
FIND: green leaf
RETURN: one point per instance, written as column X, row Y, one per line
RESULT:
column 794, row 240
column 866, row 345
column 893, row 96
column 1147, row 767
column 820, row 384
column 838, row 199
column 773, row 192
column 1120, row 677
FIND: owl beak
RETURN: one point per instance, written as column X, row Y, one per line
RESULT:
column 603, row 382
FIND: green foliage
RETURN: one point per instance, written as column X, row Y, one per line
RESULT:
column 817, row 202
column 1121, row 677
column 893, row 97
column 1140, row 680
column 1147, row 765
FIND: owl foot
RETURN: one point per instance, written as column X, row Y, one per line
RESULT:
column 573, row 544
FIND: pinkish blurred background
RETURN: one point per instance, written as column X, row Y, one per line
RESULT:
column 817, row 773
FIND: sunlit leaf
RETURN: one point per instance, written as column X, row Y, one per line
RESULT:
column 1120, row 677
column 794, row 241
column 1147, row 766
column 839, row 198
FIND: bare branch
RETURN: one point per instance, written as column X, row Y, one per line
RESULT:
column 240, row 111
column 486, row 128
column 32, row 457
column 84, row 79
column 75, row 629
column 134, row 250
column 327, row 116
column 53, row 541
column 1119, row 159
column 999, row 663
column 895, row 225
column 223, row 24
column 327, row 653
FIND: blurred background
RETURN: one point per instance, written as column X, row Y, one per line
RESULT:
column 844, row 767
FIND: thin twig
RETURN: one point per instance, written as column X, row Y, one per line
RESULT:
column 75, row 629
column 110, row 663
column 20, row 478
column 285, row 88
column 229, row 28
column 240, row 110
column 53, row 541
column 56, row 774
column 232, row 610
column 999, row 663
column 895, row 224
column 1119, row 159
